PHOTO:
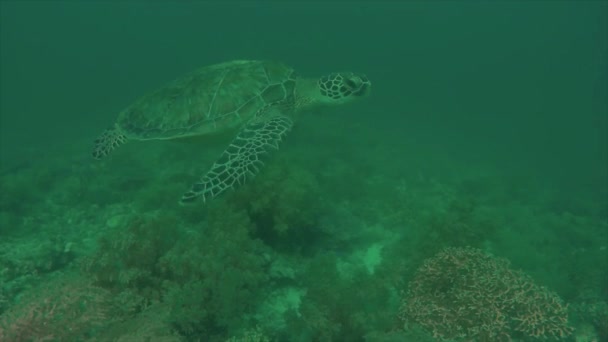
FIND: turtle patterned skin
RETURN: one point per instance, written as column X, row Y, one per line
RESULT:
column 257, row 99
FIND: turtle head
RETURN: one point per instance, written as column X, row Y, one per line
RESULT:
column 338, row 88
column 343, row 87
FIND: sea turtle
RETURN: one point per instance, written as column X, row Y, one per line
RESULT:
column 256, row 99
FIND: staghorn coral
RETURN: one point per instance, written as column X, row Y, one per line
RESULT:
column 463, row 293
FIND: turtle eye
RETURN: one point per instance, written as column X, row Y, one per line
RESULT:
column 350, row 84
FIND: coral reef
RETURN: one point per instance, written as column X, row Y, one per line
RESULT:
column 463, row 293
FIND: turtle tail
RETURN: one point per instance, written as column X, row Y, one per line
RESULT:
column 110, row 139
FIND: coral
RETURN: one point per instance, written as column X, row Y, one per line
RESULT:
column 127, row 256
column 207, row 274
column 339, row 307
column 251, row 335
column 592, row 310
column 465, row 293
column 282, row 201
column 63, row 309
column 215, row 276
column 149, row 325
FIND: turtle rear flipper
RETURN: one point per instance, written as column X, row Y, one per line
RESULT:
column 110, row 139
column 241, row 160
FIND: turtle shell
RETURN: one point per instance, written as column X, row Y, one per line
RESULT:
column 212, row 99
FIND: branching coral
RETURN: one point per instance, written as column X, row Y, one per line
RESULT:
column 465, row 293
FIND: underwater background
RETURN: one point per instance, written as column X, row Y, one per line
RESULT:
column 465, row 199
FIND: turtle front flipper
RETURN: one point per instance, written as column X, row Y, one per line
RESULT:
column 110, row 139
column 242, row 159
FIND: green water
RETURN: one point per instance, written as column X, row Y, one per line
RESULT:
column 486, row 127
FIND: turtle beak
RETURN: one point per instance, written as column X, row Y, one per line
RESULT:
column 364, row 86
